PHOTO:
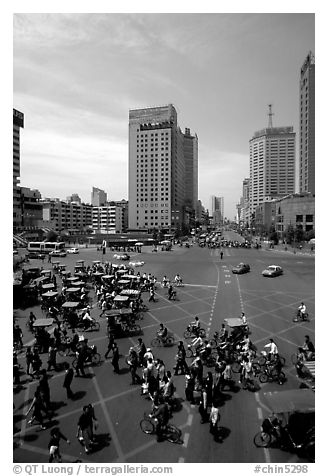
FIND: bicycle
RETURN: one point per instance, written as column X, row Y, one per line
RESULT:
column 301, row 316
column 208, row 360
column 272, row 374
column 165, row 342
column 93, row 358
column 93, row 326
column 265, row 359
column 170, row 432
column 190, row 333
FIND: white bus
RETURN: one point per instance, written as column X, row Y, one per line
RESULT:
column 45, row 246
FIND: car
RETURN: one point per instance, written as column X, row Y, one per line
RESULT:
column 59, row 253
column 35, row 255
column 272, row 271
column 136, row 263
column 122, row 256
column 74, row 251
column 241, row 268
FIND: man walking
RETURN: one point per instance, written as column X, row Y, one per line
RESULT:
column 69, row 374
column 115, row 358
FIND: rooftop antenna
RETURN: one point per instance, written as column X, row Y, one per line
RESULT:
column 270, row 114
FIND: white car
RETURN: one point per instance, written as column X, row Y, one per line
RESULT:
column 272, row 271
column 136, row 263
column 122, row 256
column 73, row 251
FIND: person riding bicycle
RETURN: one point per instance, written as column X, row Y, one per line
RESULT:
column 301, row 312
column 87, row 320
column 205, row 350
column 31, row 320
column 178, row 279
column 162, row 332
column 165, row 281
column 161, row 415
column 308, row 347
column 195, row 326
column 273, row 350
column 197, row 344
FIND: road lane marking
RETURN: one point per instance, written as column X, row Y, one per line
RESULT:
column 42, row 451
column 186, row 440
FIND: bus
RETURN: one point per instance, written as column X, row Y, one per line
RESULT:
column 45, row 246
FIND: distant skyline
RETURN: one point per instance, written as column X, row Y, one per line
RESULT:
column 76, row 76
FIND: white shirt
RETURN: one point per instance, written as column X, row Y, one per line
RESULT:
column 273, row 349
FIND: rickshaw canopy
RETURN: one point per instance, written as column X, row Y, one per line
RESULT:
column 234, row 322
column 130, row 292
column 287, row 401
column 120, row 298
column 72, row 290
column 80, row 261
column 50, row 294
column 43, row 322
column 123, row 281
column 48, row 286
column 73, row 278
column 46, row 272
column 70, row 305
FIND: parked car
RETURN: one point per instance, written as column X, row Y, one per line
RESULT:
column 74, row 251
column 241, row 268
column 59, row 253
column 272, row 271
column 122, row 256
column 35, row 255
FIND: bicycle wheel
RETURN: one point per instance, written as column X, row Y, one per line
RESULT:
column 147, row 427
column 173, row 433
column 187, row 334
column 256, row 368
column 263, row 378
column 169, row 341
column 262, row 439
column 189, row 353
column 202, row 332
column 96, row 359
column 156, row 342
column 294, row 359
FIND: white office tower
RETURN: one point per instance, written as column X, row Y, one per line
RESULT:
column 157, row 169
column 272, row 164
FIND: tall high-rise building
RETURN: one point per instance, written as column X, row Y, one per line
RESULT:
column 217, row 210
column 245, row 201
column 272, row 164
column 307, row 126
column 18, row 122
column 98, row 197
column 159, row 155
column 190, row 151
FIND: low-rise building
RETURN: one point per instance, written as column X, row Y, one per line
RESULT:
column 107, row 219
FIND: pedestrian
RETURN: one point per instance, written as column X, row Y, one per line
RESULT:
column 133, row 365
column 16, row 369
column 38, row 407
column 208, row 384
column 44, row 388
column 93, row 421
column 152, row 295
column 189, row 388
column 141, row 350
column 52, row 356
column 69, row 375
column 53, row 445
column 221, row 254
column 83, row 429
column 203, row 404
column 29, row 360
column 49, row 258
column 110, row 344
column 115, row 358
column 181, row 360
column 79, row 369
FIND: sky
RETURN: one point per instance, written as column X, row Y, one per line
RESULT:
column 75, row 77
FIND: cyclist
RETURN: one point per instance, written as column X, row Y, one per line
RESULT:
column 243, row 318
column 161, row 416
column 178, row 280
column 223, row 333
column 171, row 292
column 301, row 312
column 195, row 326
column 197, row 344
column 162, row 332
column 308, row 347
column 273, row 350
column 31, row 320
column 165, row 281
column 87, row 320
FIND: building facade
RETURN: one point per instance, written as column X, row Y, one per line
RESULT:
column 67, row 216
column 18, row 123
column 217, row 210
column 272, row 164
column 190, row 152
column 307, row 126
column 157, row 169
column 98, row 197
column 31, row 208
column 107, row 219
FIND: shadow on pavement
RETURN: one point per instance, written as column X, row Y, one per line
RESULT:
column 79, row 395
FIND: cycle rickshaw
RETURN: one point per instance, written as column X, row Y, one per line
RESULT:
column 238, row 329
column 121, row 322
column 42, row 336
column 290, row 425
